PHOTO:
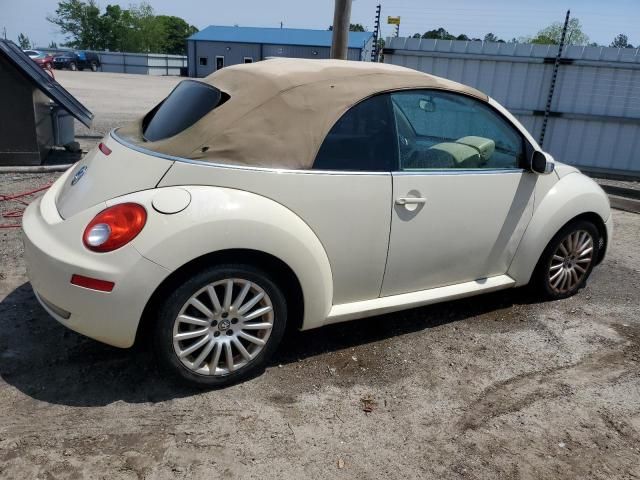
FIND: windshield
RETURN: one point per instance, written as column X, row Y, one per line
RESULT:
column 185, row 105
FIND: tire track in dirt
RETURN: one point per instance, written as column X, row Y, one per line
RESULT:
column 522, row 391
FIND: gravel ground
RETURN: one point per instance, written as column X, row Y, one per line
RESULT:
column 496, row 386
column 114, row 98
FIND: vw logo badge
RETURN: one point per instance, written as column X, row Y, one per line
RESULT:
column 79, row 174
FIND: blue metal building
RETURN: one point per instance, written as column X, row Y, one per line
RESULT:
column 216, row 46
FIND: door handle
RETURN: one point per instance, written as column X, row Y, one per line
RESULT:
column 411, row 201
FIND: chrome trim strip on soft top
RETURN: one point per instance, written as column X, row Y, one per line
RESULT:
column 461, row 171
column 172, row 158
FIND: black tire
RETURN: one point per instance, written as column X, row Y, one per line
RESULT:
column 73, row 67
column 94, row 67
column 169, row 309
column 541, row 280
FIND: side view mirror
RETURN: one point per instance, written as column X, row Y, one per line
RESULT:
column 542, row 163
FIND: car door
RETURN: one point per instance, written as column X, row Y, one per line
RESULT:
column 461, row 197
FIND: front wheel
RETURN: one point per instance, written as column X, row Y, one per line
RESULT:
column 568, row 260
column 220, row 326
column 73, row 67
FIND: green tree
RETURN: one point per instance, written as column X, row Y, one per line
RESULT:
column 553, row 33
column 439, row 34
column 621, row 41
column 353, row 27
column 24, row 42
column 80, row 22
column 136, row 29
column 490, row 37
column 175, row 33
column 463, row 37
column 53, row 45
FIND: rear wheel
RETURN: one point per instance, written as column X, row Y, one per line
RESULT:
column 567, row 262
column 94, row 67
column 220, row 326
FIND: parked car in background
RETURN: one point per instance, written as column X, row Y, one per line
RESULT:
column 77, row 61
column 43, row 59
column 303, row 193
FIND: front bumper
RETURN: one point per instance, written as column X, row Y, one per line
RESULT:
column 53, row 252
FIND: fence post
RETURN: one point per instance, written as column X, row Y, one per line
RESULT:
column 554, row 76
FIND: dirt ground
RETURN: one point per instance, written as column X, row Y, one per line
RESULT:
column 495, row 386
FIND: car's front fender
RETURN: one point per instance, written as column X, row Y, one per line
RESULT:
column 574, row 194
column 219, row 219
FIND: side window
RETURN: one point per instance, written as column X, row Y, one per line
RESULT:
column 363, row 139
column 439, row 130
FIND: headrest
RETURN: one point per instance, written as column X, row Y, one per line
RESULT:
column 484, row 146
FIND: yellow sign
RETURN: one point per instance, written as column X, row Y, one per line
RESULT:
column 393, row 20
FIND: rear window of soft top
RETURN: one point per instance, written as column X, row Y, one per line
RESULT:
column 186, row 104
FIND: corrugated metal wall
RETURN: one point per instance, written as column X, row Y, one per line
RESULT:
column 595, row 113
column 234, row 53
column 203, row 54
column 140, row 63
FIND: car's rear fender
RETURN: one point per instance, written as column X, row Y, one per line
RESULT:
column 220, row 219
column 571, row 196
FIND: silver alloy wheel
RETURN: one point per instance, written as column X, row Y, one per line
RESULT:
column 571, row 261
column 214, row 337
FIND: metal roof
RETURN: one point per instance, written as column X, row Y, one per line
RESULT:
column 277, row 36
column 36, row 75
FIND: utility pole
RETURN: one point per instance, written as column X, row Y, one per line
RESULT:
column 4, row 32
column 340, row 37
column 376, row 34
column 554, row 76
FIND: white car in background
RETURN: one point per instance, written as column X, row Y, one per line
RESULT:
column 302, row 193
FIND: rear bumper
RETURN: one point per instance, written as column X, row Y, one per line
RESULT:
column 53, row 252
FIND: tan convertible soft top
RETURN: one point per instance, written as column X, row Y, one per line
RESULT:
column 280, row 110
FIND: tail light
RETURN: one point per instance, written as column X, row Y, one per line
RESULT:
column 104, row 149
column 114, row 227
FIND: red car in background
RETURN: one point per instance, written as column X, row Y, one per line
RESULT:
column 43, row 59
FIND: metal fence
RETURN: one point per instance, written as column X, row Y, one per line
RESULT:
column 594, row 122
column 140, row 63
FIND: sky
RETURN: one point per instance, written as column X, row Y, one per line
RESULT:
column 602, row 20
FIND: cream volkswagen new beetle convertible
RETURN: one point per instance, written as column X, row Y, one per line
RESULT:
column 303, row 193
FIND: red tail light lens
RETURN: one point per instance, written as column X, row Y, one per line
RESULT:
column 114, row 227
column 104, row 149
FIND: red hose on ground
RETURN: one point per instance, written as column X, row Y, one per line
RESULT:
column 17, row 198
